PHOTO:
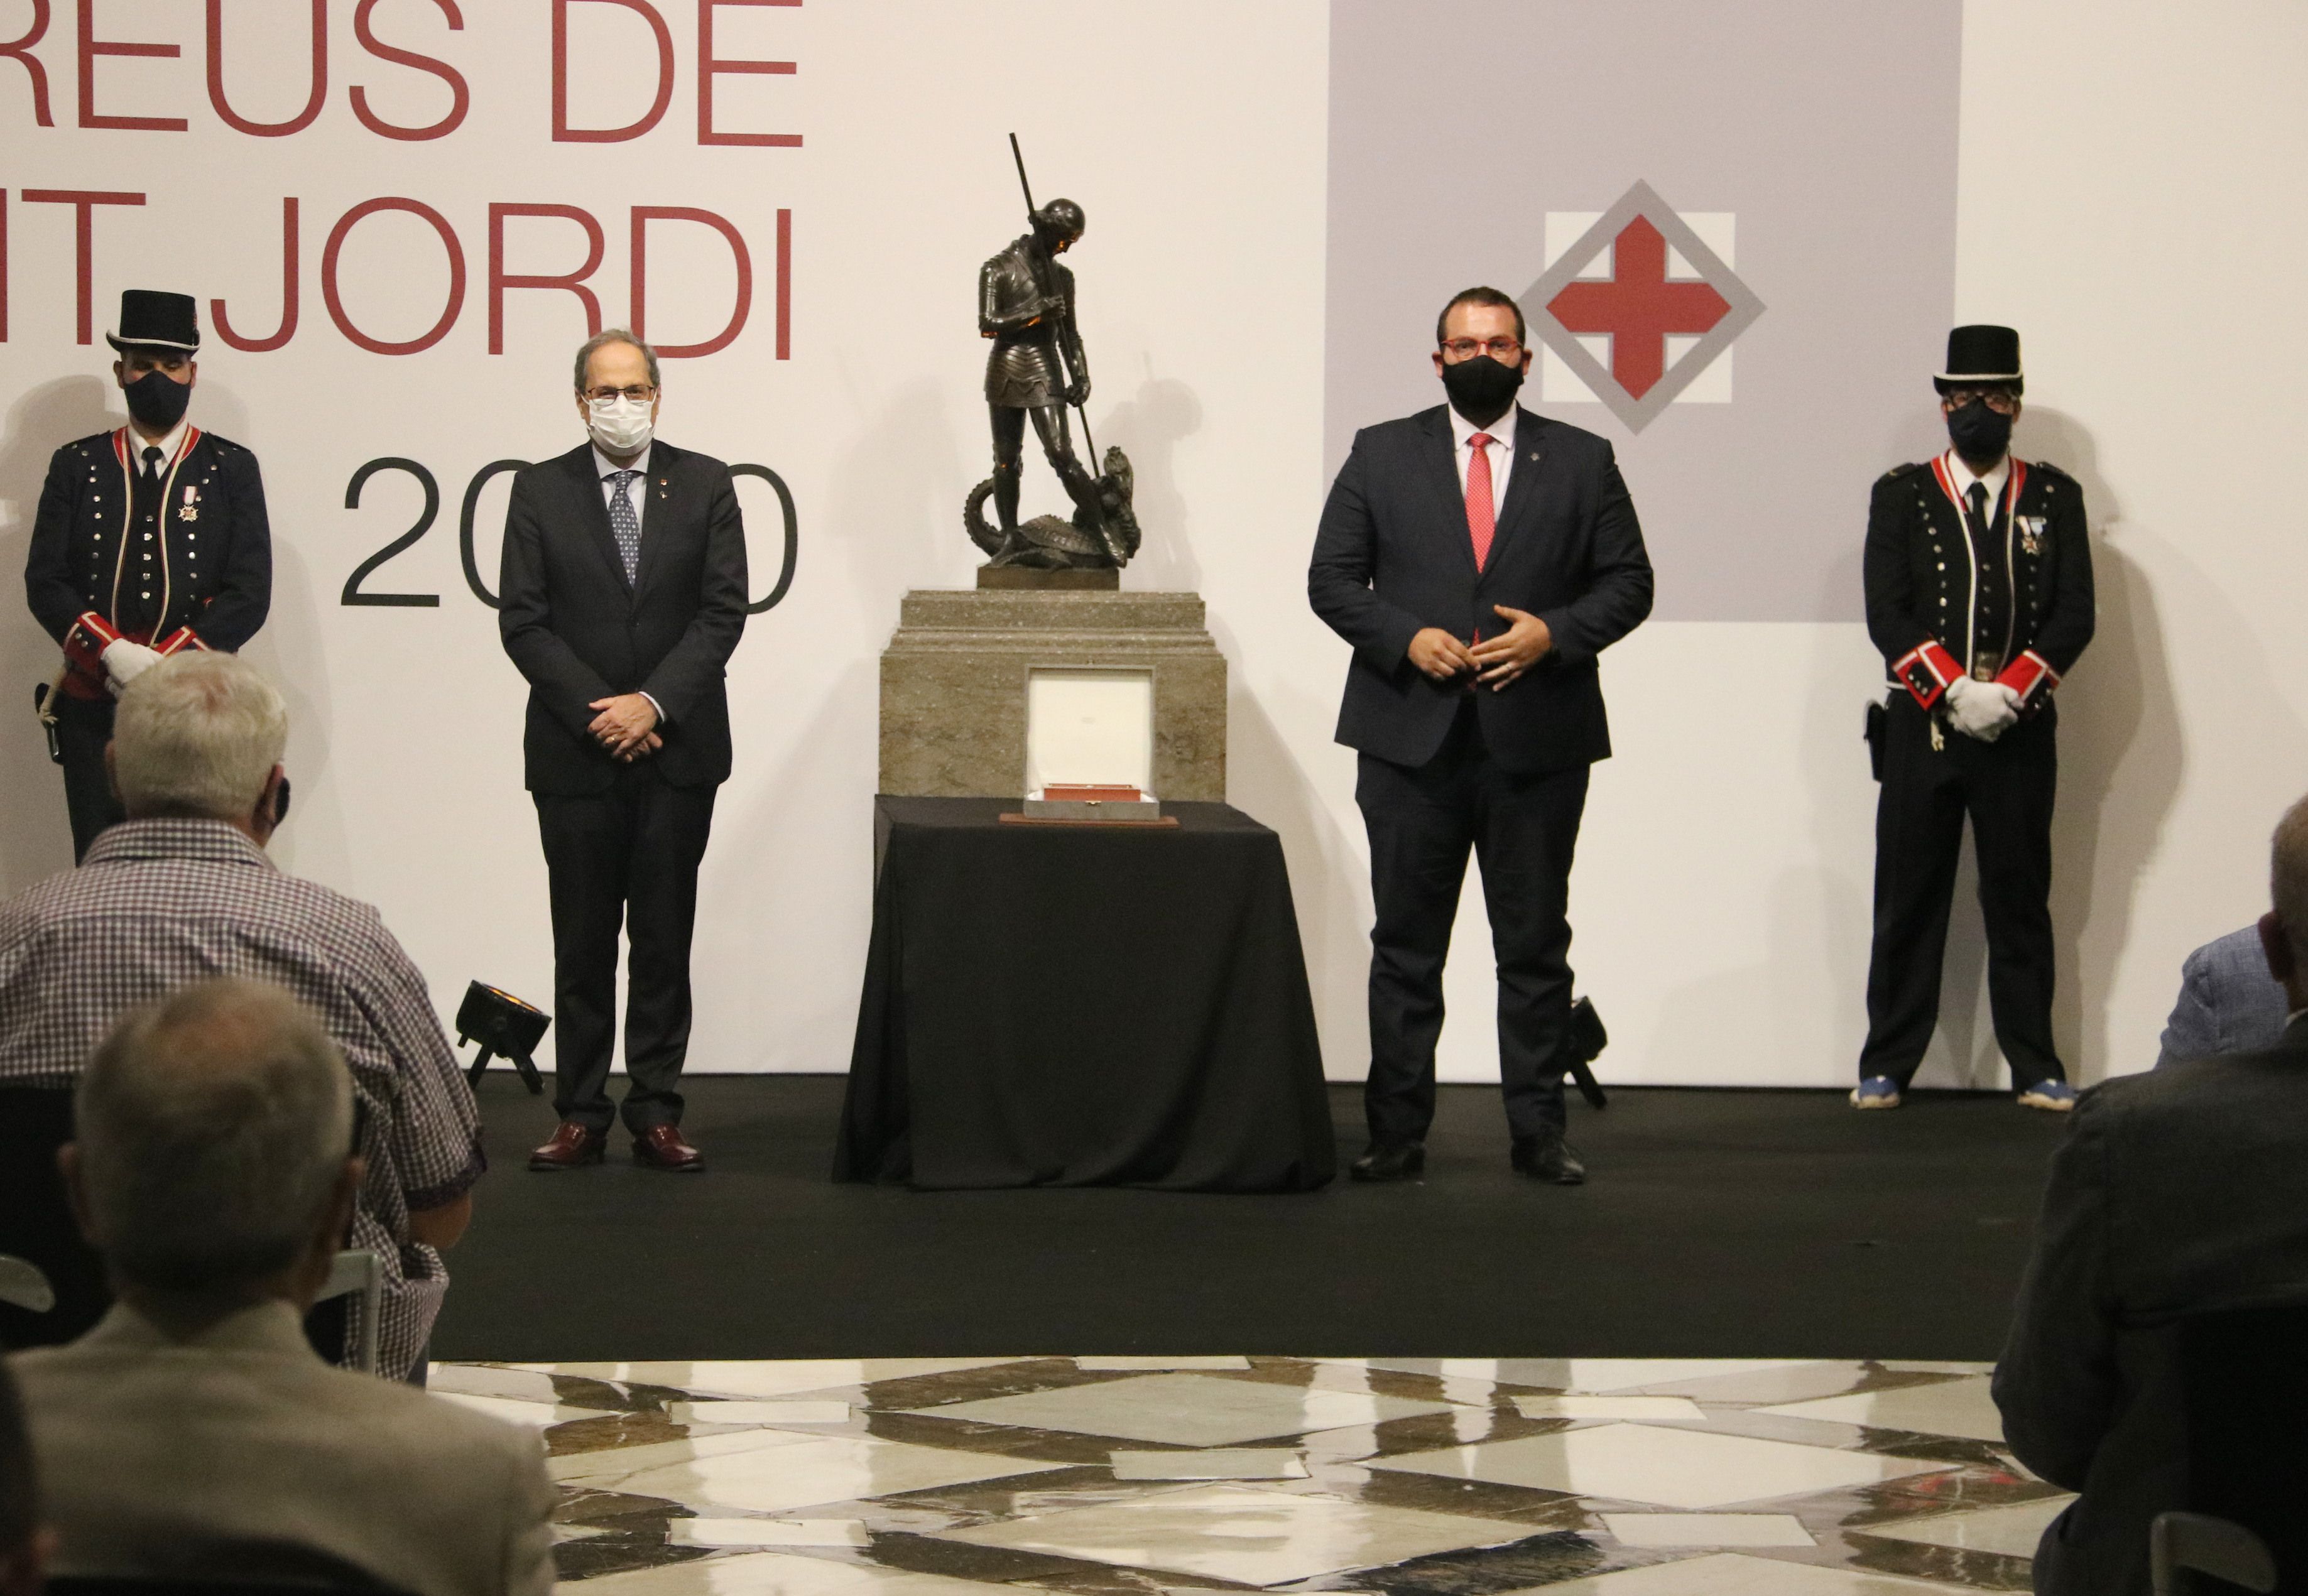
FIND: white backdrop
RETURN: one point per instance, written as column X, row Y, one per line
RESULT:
column 2119, row 163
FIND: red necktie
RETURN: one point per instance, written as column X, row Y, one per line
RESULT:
column 1482, row 516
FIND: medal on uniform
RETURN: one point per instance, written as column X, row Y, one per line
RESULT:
column 2031, row 534
column 189, row 510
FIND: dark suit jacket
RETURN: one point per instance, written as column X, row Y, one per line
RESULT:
column 579, row 632
column 2179, row 1192
column 1393, row 557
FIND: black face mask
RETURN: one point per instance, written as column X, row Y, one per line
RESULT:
column 158, row 401
column 1979, row 433
column 1481, row 389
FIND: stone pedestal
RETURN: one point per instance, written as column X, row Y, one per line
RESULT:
column 953, row 685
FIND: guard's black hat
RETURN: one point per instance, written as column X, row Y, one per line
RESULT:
column 1979, row 354
column 167, row 320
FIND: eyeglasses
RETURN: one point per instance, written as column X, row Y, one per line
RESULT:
column 2002, row 400
column 639, row 391
column 1497, row 349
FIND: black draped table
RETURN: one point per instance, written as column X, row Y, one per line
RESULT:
column 1083, row 1006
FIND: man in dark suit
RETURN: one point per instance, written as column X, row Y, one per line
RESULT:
column 148, row 541
column 2176, row 1193
column 1478, row 557
column 622, row 598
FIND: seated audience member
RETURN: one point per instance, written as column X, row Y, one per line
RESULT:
column 193, row 1432
column 2228, row 1001
column 25, row 1543
column 183, row 890
column 2178, row 1192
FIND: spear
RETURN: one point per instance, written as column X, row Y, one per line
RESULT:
column 1027, row 189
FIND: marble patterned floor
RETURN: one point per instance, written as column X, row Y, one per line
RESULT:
column 1106, row 1476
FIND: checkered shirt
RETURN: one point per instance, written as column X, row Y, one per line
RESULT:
column 157, row 904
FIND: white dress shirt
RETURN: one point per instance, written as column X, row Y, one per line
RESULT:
column 138, row 443
column 1500, row 448
column 603, row 466
column 1961, row 476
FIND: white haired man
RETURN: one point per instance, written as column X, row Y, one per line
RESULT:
column 183, row 890
column 2179, row 1193
column 193, row 1432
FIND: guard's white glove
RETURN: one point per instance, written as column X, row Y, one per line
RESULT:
column 1982, row 709
column 125, row 660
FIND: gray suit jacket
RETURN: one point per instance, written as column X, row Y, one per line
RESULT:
column 2228, row 1001
column 2178, row 1192
column 153, row 1450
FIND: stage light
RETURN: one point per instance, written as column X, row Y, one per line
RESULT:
column 505, row 1028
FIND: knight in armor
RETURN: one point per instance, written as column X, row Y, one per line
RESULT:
column 149, row 540
column 1026, row 305
column 1979, row 594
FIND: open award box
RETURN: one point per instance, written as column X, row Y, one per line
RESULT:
column 1090, row 748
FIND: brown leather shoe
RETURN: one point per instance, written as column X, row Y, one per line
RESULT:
column 663, row 1147
column 572, row 1145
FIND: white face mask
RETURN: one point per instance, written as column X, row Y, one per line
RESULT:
column 621, row 426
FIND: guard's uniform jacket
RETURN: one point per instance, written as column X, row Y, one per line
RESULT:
column 2010, row 602
column 2004, row 597
column 183, row 563
column 1026, row 308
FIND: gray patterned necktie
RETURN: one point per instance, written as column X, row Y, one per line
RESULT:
column 625, row 523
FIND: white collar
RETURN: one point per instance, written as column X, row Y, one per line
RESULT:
column 603, row 464
column 1962, row 475
column 167, row 446
column 1502, row 431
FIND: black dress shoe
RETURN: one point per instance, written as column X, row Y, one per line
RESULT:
column 1399, row 1161
column 1549, row 1157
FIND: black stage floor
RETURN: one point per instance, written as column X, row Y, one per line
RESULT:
column 1717, row 1224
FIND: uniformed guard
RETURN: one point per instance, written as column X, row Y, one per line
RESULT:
column 1979, row 594
column 1036, row 368
column 150, row 540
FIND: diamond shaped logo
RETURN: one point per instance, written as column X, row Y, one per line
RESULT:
column 1639, row 306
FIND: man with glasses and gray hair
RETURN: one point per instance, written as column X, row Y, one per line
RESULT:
column 622, row 595
column 183, row 890
column 193, row 1432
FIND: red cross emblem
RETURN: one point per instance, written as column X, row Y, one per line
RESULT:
column 1639, row 306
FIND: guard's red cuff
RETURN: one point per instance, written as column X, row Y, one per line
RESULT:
column 1925, row 671
column 180, row 638
column 86, row 640
column 2031, row 676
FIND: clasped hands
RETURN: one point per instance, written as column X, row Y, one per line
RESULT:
column 1983, row 710
column 626, row 726
column 1494, row 661
column 124, row 661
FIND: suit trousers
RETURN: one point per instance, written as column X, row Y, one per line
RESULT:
column 626, row 856
column 1522, row 829
column 2006, row 788
column 83, row 728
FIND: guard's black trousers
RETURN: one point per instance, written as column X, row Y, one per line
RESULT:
column 83, row 726
column 625, row 856
column 1523, row 830
column 2006, row 788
